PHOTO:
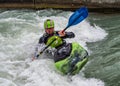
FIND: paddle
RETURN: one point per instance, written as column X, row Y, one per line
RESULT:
column 78, row 16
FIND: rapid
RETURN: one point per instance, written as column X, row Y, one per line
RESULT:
column 20, row 31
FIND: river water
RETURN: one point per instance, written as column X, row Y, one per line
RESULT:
column 19, row 34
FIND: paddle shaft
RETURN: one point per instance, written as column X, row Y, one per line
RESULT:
column 47, row 46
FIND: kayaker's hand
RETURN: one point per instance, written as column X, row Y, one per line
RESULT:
column 61, row 33
column 33, row 58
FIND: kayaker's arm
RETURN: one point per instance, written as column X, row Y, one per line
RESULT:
column 66, row 34
column 40, row 46
column 43, row 39
column 38, row 50
column 69, row 35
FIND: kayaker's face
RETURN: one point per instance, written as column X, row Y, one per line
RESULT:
column 49, row 31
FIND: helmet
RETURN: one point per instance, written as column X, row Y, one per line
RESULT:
column 48, row 24
column 58, row 41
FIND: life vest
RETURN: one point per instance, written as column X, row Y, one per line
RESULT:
column 54, row 41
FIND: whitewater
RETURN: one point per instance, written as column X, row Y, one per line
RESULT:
column 20, row 31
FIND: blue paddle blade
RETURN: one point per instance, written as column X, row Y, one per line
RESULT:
column 78, row 16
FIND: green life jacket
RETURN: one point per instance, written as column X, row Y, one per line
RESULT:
column 54, row 41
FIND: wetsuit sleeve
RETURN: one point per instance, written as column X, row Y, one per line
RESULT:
column 43, row 39
column 69, row 35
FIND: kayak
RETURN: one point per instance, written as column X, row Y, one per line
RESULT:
column 73, row 63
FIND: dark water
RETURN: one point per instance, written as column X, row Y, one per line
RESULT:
column 105, row 58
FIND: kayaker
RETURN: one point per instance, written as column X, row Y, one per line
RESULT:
column 49, row 32
column 69, row 57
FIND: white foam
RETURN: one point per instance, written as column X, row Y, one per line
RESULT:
column 43, row 73
column 6, row 82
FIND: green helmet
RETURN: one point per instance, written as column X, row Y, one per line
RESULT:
column 48, row 24
column 58, row 41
